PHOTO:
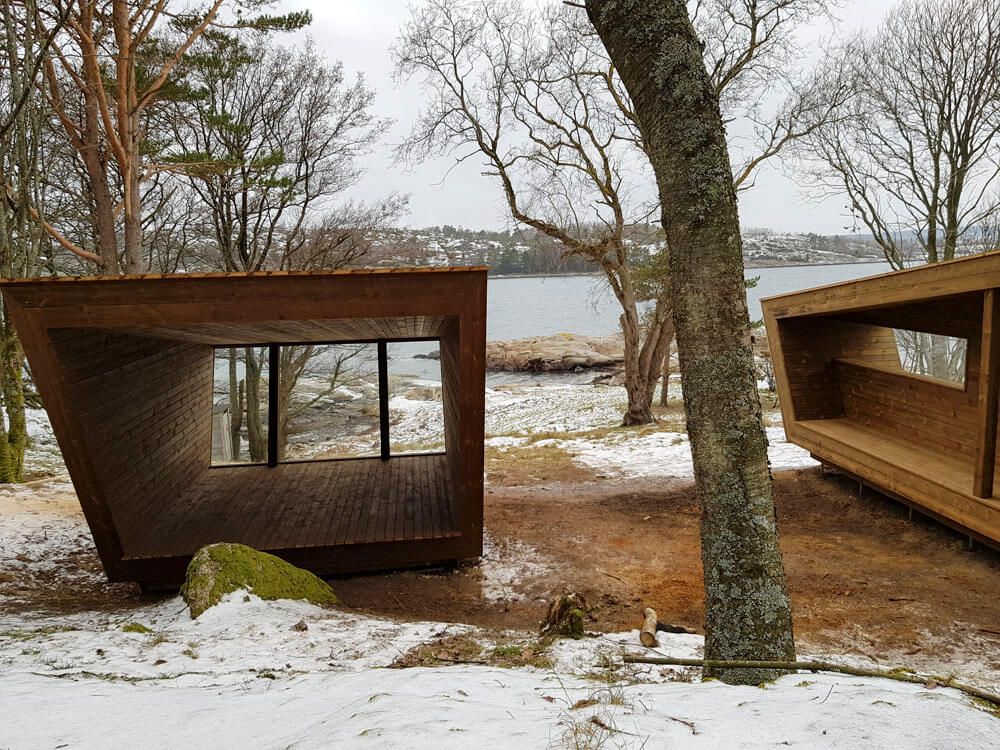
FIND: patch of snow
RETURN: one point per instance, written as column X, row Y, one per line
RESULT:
column 258, row 683
column 665, row 453
column 507, row 564
column 43, row 454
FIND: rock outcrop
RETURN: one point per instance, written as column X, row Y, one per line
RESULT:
column 559, row 353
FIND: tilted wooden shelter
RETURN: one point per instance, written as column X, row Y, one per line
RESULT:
column 847, row 399
column 124, row 366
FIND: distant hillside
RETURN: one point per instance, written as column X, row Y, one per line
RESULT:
column 528, row 252
column 762, row 247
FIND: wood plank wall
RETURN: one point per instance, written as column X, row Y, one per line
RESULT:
column 451, row 404
column 907, row 408
column 912, row 408
column 144, row 406
column 810, row 347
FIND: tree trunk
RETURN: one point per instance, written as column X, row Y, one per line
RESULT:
column 256, row 435
column 665, row 375
column 235, row 404
column 14, row 439
column 638, row 410
column 132, row 261
column 100, row 191
column 659, row 58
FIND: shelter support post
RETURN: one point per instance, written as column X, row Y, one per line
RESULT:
column 986, row 433
column 383, row 398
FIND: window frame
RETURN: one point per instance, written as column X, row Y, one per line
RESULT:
column 274, row 353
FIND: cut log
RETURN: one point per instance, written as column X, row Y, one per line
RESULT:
column 647, row 633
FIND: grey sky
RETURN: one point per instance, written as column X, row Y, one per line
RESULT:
column 359, row 34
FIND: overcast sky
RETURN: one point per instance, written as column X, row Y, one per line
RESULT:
column 360, row 33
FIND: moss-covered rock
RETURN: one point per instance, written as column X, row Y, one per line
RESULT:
column 218, row 569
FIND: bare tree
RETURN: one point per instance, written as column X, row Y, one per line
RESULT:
column 915, row 143
column 537, row 97
column 274, row 138
column 659, row 57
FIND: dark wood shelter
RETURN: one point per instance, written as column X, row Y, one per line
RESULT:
column 124, row 366
column 846, row 397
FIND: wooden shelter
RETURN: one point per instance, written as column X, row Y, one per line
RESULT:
column 124, row 366
column 846, row 397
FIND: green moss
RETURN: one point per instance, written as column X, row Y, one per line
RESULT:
column 219, row 569
column 573, row 625
column 136, row 627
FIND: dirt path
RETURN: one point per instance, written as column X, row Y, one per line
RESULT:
column 862, row 577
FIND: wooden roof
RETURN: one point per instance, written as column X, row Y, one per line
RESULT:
column 975, row 273
column 252, row 308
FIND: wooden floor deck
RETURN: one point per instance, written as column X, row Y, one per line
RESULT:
column 314, row 504
column 937, row 480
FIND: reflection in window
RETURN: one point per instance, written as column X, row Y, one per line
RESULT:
column 239, row 406
column 328, row 403
column 416, row 412
column 936, row 356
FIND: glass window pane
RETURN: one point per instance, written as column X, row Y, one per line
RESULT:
column 328, row 402
column 416, row 413
column 239, row 413
column 941, row 357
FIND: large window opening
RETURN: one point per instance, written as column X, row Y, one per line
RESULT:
column 932, row 355
column 326, row 401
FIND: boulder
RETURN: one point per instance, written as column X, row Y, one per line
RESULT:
column 218, row 569
column 559, row 353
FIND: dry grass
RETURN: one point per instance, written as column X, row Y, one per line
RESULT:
column 520, row 464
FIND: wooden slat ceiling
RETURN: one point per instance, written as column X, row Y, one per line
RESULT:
column 298, row 331
column 958, row 315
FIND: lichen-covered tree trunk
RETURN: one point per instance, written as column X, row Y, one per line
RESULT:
column 659, row 58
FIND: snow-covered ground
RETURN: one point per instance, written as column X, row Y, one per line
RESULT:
column 583, row 420
column 247, row 674
column 284, row 674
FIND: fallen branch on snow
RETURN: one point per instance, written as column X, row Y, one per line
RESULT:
column 818, row 666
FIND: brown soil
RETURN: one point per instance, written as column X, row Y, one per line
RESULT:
column 862, row 576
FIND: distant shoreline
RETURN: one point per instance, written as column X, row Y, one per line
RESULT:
column 746, row 267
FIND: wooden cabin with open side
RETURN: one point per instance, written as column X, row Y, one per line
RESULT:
column 894, row 380
column 125, row 368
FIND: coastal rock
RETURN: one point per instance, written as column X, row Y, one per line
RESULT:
column 560, row 353
column 218, row 569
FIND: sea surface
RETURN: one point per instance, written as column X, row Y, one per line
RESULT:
column 523, row 306
column 519, row 307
